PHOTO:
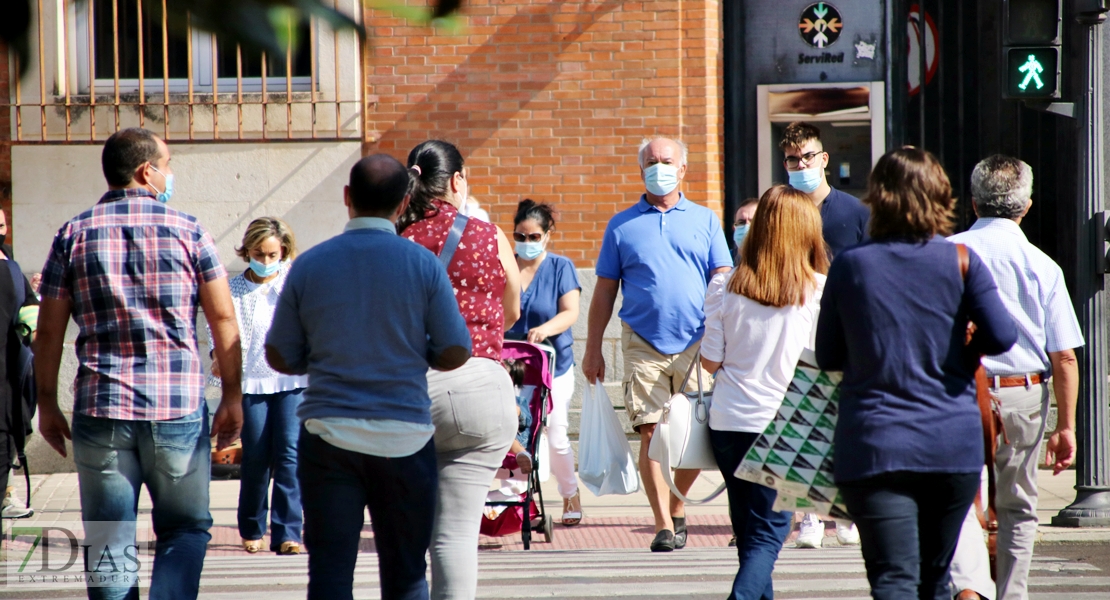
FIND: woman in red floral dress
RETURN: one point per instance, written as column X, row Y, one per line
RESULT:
column 473, row 407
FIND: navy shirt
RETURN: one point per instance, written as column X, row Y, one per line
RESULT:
column 554, row 278
column 362, row 313
column 894, row 318
column 843, row 221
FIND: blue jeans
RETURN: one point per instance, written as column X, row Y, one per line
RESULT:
column 760, row 531
column 173, row 458
column 270, row 430
column 339, row 485
column 908, row 527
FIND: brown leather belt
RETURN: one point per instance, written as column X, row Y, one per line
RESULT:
column 1016, row 380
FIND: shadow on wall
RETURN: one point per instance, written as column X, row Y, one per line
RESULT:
column 495, row 91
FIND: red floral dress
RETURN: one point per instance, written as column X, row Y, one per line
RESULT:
column 475, row 271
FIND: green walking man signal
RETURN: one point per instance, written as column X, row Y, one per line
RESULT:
column 1032, row 69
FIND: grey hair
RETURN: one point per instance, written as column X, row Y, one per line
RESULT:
column 1001, row 186
column 647, row 142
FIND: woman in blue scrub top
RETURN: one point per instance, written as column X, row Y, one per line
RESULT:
column 548, row 309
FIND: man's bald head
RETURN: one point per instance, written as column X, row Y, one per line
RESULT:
column 378, row 185
column 674, row 149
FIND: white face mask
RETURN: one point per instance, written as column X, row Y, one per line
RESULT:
column 661, row 179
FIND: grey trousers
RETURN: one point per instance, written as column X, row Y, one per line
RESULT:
column 1015, row 466
column 474, row 413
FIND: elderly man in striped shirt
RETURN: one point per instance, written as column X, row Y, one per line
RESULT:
column 1032, row 288
column 130, row 270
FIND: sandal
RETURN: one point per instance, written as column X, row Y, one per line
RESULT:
column 572, row 517
column 289, row 548
column 252, row 546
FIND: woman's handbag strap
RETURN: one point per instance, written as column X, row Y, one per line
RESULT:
column 662, row 431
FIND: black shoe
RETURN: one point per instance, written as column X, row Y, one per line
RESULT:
column 663, row 542
column 732, row 542
column 679, row 532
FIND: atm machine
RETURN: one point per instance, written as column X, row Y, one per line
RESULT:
column 851, row 118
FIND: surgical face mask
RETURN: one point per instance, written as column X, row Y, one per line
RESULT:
column 165, row 195
column 807, row 180
column 661, row 179
column 739, row 233
column 264, row 270
column 529, row 250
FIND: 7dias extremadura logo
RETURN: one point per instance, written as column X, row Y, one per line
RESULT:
column 76, row 555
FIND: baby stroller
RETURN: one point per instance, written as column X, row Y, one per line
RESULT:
column 520, row 510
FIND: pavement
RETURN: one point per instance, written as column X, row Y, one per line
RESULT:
column 605, row 556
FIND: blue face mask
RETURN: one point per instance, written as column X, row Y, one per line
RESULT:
column 661, row 179
column 739, row 233
column 264, row 270
column 807, row 180
column 529, row 250
column 165, row 195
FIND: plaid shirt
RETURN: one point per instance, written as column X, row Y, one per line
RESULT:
column 131, row 267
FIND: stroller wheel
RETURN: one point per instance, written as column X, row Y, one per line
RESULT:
column 548, row 528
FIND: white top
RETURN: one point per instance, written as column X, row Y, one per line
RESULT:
column 759, row 347
column 1032, row 288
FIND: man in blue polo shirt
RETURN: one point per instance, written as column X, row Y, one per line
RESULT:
column 844, row 218
column 365, row 314
column 661, row 253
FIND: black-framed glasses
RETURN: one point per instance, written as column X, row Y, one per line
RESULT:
column 531, row 237
column 793, row 162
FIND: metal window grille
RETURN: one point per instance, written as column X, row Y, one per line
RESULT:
column 102, row 65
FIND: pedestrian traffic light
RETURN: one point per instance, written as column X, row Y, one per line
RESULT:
column 1031, row 49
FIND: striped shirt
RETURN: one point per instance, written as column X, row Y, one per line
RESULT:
column 131, row 267
column 1032, row 288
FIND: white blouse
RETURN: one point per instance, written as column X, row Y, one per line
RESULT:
column 255, row 304
column 759, row 347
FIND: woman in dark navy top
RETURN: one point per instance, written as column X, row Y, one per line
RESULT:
column 894, row 315
column 548, row 309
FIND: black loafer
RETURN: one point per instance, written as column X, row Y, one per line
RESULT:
column 663, row 542
column 679, row 532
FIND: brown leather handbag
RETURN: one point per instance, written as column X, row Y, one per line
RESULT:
column 989, row 412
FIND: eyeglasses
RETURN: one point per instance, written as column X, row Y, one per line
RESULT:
column 531, row 237
column 793, row 162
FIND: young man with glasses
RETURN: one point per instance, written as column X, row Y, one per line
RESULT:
column 844, row 224
column 844, row 217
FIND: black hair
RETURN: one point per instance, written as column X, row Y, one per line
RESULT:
column 748, row 202
column 124, row 151
column 516, row 369
column 437, row 162
column 540, row 212
column 378, row 184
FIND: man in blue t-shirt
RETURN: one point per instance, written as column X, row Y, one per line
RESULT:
column 365, row 314
column 661, row 253
column 844, row 221
column 844, row 218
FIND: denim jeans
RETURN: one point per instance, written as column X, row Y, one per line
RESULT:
column 760, row 531
column 339, row 485
column 270, row 430
column 173, row 458
column 908, row 526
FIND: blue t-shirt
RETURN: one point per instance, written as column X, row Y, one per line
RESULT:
column 664, row 261
column 894, row 318
column 362, row 314
column 843, row 221
column 539, row 304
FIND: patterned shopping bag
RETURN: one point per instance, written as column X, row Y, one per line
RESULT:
column 794, row 453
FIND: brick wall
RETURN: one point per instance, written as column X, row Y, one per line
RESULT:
column 549, row 99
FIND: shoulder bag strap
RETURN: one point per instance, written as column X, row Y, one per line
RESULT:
column 453, row 239
column 662, row 431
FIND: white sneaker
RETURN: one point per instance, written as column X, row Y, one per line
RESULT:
column 811, row 532
column 847, row 534
column 14, row 508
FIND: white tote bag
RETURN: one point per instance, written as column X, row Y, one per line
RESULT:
column 605, row 461
column 681, row 439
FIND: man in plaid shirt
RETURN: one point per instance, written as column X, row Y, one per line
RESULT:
column 130, row 271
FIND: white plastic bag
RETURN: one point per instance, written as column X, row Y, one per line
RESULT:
column 605, row 461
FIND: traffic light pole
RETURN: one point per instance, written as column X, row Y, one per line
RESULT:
column 1091, row 507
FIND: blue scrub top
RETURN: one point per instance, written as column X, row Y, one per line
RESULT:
column 540, row 303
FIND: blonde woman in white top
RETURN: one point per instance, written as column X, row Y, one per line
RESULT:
column 270, row 399
column 758, row 320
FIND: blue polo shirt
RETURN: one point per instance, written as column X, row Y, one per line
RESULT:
column 362, row 313
column 844, row 221
column 663, row 261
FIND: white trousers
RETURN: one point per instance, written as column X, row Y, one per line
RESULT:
column 562, row 456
